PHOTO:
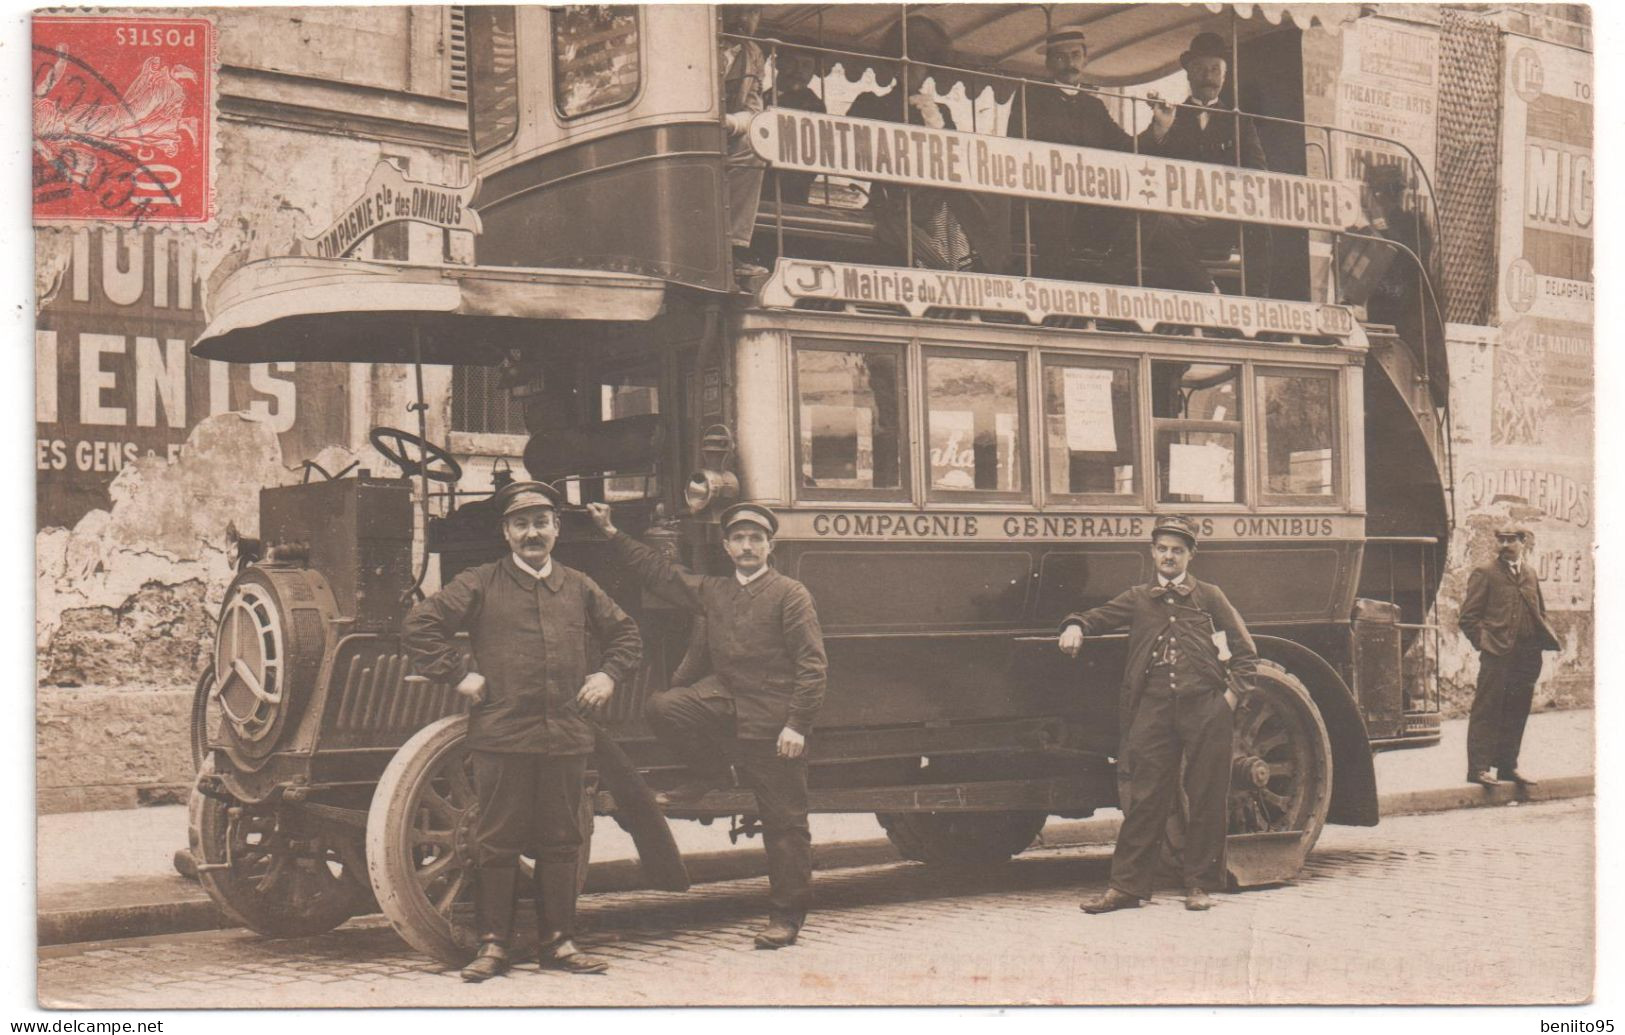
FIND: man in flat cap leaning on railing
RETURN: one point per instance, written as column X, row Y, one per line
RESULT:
column 531, row 693
column 756, row 708
column 1177, row 701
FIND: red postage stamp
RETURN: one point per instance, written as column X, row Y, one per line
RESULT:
column 123, row 119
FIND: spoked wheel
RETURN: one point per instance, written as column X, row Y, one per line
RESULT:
column 961, row 838
column 1280, row 784
column 273, row 869
column 420, row 842
column 205, row 716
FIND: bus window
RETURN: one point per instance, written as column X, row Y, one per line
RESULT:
column 1297, row 438
column 634, row 393
column 493, row 77
column 974, row 424
column 1196, row 413
column 849, row 413
column 1090, row 446
column 596, row 62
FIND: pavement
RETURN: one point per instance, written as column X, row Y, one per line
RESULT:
column 109, row 875
column 1431, row 909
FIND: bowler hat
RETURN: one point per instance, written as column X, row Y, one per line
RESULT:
column 517, row 496
column 1205, row 44
column 754, row 513
column 1175, row 524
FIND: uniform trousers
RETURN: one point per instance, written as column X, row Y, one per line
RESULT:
column 700, row 727
column 1165, row 728
column 529, row 802
column 1506, row 688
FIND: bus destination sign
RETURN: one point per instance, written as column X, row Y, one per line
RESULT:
column 923, row 157
column 919, row 526
column 917, row 291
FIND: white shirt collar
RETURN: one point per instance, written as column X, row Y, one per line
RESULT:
column 1161, row 581
column 745, row 580
column 547, row 569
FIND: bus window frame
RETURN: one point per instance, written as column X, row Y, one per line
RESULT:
column 898, row 348
column 1337, row 499
column 553, row 72
column 518, row 88
column 1245, row 490
column 1134, row 366
column 1023, row 358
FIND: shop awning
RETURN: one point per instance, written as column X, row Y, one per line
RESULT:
column 304, row 309
column 1128, row 43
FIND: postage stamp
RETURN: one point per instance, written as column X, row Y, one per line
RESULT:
column 123, row 119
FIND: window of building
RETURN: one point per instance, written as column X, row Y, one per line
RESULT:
column 1196, row 414
column 974, row 430
column 1297, row 436
column 480, row 403
column 851, row 415
column 1090, row 443
column 493, row 77
column 596, row 59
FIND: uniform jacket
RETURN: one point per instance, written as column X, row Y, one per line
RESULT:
column 766, row 649
column 530, row 643
column 1187, row 140
column 1198, row 609
column 1490, row 610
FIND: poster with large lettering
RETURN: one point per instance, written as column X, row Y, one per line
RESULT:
column 1540, row 431
column 115, row 380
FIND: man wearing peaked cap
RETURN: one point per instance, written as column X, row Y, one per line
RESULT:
column 1503, row 615
column 757, row 706
column 530, row 690
column 1190, row 661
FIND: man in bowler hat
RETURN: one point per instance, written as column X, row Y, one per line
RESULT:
column 1177, row 701
column 756, row 708
column 1503, row 615
column 531, row 689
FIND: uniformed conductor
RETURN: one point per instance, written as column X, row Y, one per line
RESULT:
column 1177, row 701
column 1503, row 615
column 528, row 735
column 757, row 706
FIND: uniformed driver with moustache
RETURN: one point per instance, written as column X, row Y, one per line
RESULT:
column 531, row 692
column 767, row 661
column 1177, row 701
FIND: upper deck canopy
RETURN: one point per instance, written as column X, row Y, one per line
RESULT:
column 1128, row 43
column 305, row 309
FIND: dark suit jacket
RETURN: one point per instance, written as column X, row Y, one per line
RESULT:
column 1489, row 612
column 1199, row 609
column 1077, row 118
column 1187, row 140
column 763, row 640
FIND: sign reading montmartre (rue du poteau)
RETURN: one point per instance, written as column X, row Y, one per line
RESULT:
column 917, row 291
column 923, row 157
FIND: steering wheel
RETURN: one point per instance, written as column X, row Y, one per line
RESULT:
column 436, row 464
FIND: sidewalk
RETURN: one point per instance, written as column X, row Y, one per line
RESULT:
column 110, row 874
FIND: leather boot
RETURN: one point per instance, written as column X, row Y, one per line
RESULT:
column 494, row 888
column 556, row 918
column 780, row 931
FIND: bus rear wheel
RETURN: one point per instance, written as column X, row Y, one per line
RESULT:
column 961, row 838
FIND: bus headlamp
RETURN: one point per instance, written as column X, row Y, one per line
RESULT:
column 707, row 487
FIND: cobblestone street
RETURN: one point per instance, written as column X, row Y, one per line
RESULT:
column 1420, row 909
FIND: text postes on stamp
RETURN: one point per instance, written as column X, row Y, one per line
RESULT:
column 123, row 128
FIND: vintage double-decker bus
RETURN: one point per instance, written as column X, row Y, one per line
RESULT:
column 960, row 452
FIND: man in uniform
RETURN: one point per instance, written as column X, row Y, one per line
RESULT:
column 1504, row 617
column 531, row 690
column 757, row 707
column 1176, row 702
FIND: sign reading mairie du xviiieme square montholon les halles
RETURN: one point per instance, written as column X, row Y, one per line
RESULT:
column 923, row 157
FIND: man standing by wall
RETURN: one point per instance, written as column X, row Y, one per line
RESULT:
column 528, row 735
column 766, row 653
column 1503, row 615
column 1175, row 704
